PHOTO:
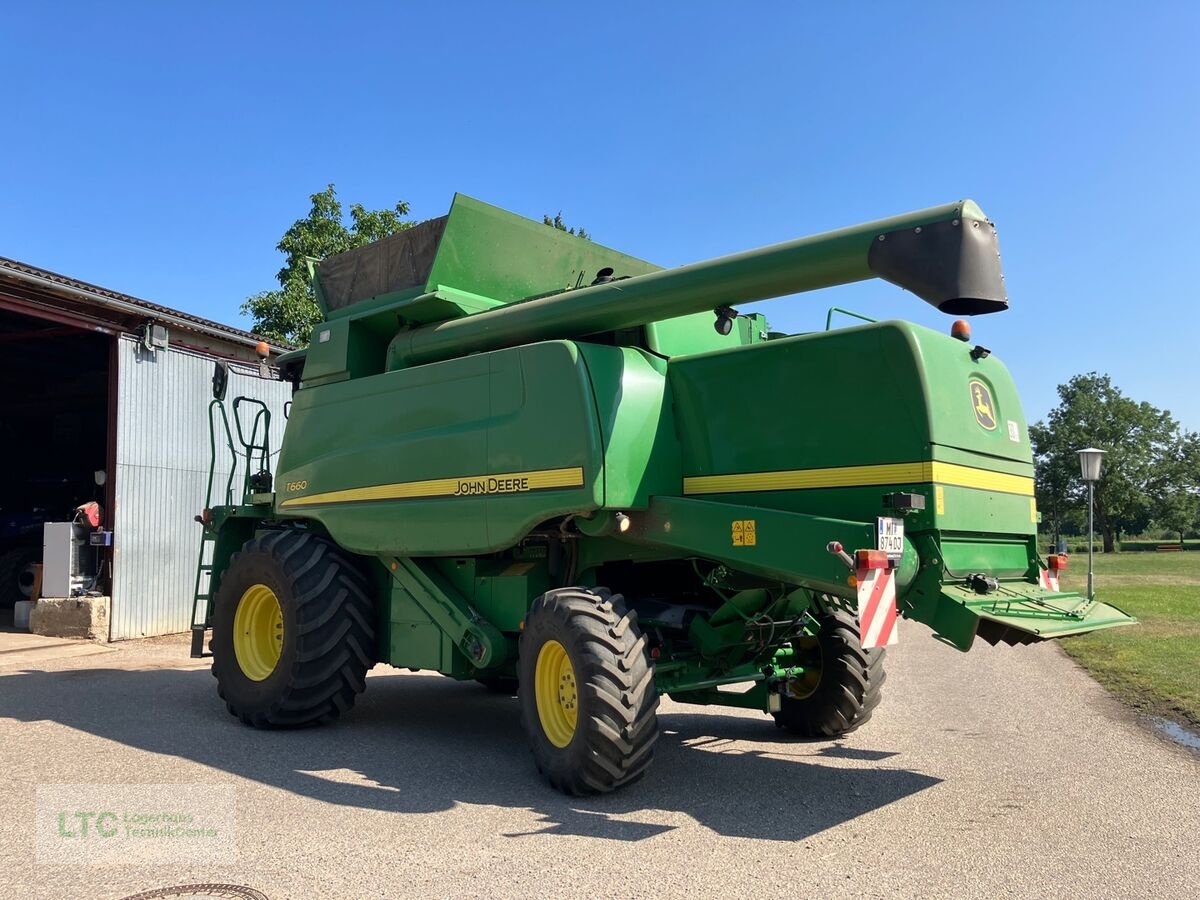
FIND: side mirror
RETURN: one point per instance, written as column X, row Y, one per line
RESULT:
column 220, row 379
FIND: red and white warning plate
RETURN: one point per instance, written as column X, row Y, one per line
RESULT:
column 1049, row 580
column 877, row 611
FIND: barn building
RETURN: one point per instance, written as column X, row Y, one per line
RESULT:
column 106, row 398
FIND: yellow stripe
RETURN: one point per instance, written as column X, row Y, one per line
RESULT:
column 861, row 476
column 471, row 485
column 982, row 479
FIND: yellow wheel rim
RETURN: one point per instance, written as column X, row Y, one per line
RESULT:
column 258, row 632
column 556, row 693
column 806, row 685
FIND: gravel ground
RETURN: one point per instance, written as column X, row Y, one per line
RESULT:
column 1003, row 772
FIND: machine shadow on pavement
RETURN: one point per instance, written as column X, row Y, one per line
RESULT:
column 421, row 745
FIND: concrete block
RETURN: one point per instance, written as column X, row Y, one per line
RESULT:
column 78, row 617
column 21, row 611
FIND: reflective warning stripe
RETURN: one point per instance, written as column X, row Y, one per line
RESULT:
column 861, row 476
column 877, row 608
column 1048, row 580
column 467, row 486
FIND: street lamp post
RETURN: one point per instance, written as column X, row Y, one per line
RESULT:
column 1090, row 460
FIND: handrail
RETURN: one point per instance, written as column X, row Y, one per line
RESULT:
column 212, row 454
column 845, row 312
column 262, row 416
column 259, row 441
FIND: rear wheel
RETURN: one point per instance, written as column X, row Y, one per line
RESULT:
column 842, row 683
column 587, row 691
column 293, row 632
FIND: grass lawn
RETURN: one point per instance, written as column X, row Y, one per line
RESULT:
column 1154, row 665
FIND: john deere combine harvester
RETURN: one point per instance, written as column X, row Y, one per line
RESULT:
column 519, row 457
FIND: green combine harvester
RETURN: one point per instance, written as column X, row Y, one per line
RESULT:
column 518, row 457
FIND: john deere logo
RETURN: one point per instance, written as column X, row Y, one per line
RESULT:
column 981, row 402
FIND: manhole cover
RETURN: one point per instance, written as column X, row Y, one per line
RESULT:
column 189, row 891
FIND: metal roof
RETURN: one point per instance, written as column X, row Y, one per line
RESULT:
column 124, row 306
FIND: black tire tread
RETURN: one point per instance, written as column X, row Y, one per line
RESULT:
column 616, row 676
column 847, row 702
column 335, row 637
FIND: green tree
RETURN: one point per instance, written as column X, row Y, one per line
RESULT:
column 1179, row 511
column 1053, row 486
column 1178, row 488
column 558, row 223
column 1141, row 468
column 289, row 312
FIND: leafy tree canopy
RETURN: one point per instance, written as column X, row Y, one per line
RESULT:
column 558, row 223
column 1149, row 461
column 288, row 313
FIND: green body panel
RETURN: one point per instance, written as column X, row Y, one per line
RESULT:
column 790, row 547
column 891, row 382
column 641, row 448
column 686, row 335
column 546, row 407
column 499, row 589
column 512, row 411
column 504, row 426
column 420, row 593
column 341, row 353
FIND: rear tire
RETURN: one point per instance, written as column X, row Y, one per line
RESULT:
column 293, row 632
column 848, row 689
column 587, row 692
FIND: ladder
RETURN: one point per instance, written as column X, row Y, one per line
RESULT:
column 256, row 445
column 202, row 604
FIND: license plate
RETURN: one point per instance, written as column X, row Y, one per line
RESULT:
column 890, row 537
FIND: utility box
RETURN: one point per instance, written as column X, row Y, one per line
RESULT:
column 66, row 558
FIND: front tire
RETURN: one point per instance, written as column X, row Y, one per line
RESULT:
column 587, row 693
column 293, row 632
column 845, row 685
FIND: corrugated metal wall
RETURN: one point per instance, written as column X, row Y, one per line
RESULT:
column 162, row 472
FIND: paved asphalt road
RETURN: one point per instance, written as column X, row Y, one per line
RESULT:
column 1004, row 772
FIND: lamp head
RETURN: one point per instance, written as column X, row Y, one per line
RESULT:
column 1090, row 461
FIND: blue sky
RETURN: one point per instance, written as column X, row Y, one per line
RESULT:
column 161, row 149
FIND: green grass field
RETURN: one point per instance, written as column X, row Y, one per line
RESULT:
column 1154, row 665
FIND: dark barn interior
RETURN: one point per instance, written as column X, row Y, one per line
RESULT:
column 56, row 430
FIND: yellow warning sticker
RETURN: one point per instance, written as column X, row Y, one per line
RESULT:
column 744, row 533
column 939, row 499
column 1033, row 514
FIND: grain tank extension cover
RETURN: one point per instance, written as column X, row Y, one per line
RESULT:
column 396, row 263
column 477, row 249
